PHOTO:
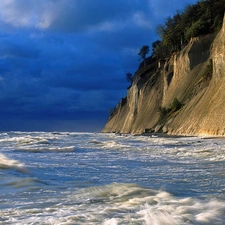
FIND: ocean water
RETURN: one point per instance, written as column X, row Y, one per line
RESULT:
column 95, row 178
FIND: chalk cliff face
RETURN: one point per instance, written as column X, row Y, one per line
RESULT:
column 195, row 76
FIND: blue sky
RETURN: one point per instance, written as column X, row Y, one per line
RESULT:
column 63, row 63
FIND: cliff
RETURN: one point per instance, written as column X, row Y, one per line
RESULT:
column 193, row 79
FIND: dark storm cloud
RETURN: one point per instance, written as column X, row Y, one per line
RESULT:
column 69, row 15
column 83, row 15
column 8, row 48
column 69, row 58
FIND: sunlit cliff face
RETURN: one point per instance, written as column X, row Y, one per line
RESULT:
column 198, row 74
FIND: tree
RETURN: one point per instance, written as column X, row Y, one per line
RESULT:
column 159, row 50
column 155, row 46
column 143, row 52
column 129, row 77
column 198, row 28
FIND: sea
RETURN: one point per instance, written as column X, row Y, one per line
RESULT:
column 102, row 178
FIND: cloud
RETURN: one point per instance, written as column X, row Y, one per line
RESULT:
column 67, row 15
column 68, row 59
column 22, row 48
column 28, row 14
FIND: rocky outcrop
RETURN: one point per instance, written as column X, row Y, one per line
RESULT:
column 195, row 77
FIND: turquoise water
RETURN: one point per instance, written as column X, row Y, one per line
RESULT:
column 93, row 178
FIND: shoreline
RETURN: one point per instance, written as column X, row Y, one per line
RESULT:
column 165, row 135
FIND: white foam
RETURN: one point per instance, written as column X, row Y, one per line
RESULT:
column 122, row 204
column 6, row 163
column 159, row 160
column 185, row 211
column 112, row 221
column 125, row 203
column 47, row 149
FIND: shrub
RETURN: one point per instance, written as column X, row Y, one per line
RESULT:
column 176, row 105
column 163, row 111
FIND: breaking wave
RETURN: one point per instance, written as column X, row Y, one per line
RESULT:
column 87, row 178
column 7, row 163
column 120, row 204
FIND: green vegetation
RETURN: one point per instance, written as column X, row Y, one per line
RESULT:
column 209, row 70
column 163, row 111
column 206, row 16
column 174, row 106
column 130, row 79
column 143, row 52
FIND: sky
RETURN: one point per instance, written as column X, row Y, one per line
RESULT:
column 63, row 63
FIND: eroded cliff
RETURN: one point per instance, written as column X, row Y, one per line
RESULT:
column 195, row 77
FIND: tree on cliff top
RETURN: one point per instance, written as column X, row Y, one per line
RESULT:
column 206, row 16
column 143, row 52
